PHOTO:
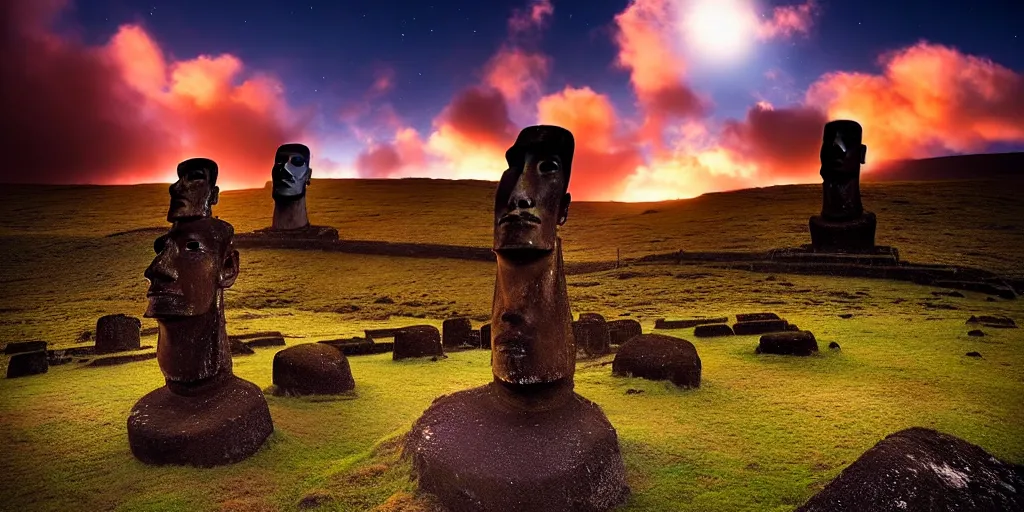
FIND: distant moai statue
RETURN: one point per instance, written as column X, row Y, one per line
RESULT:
column 290, row 176
column 526, row 441
column 844, row 225
column 204, row 415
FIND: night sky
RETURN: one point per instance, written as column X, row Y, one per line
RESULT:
column 661, row 101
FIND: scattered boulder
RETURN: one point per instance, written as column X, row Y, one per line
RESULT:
column 474, row 338
column 118, row 333
column 592, row 316
column 976, row 333
column 17, row 347
column 759, row 327
column 834, row 346
column 259, row 339
column 662, row 323
column 920, row 470
column 790, row 343
column 122, row 359
column 791, row 327
column 712, row 330
column 973, row 354
column 239, row 348
column 846, row 316
column 485, row 336
column 376, row 334
column 1000, row 322
column 24, row 364
column 84, row 337
column 417, row 341
column 659, row 357
column 311, row 369
column 621, row 331
column 755, row 317
column 359, row 346
column 384, row 300
column 455, row 332
column 592, row 337
column 632, row 391
column 148, row 331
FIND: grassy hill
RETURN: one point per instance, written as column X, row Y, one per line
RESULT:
column 762, row 433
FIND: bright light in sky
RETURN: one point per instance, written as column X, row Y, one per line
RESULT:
column 719, row 30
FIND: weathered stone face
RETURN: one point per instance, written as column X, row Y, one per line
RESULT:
column 195, row 192
column 193, row 262
column 841, row 157
column 291, row 172
column 531, row 201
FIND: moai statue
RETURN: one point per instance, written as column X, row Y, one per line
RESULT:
column 843, row 225
column 204, row 415
column 526, row 441
column 196, row 190
column 290, row 176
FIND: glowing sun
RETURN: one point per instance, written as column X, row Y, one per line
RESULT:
column 719, row 29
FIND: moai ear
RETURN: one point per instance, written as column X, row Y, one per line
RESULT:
column 214, row 195
column 309, row 176
column 563, row 209
column 229, row 269
column 863, row 153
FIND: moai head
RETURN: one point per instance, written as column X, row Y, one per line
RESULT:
column 532, row 199
column 195, row 261
column 291, row 172
column 841, row 148
column 530, row 317
column 195, row 192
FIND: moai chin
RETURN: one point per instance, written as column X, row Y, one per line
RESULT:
column 843, row 225
column 204, row 415
column 291, row 175
column 525, row 441
column 195, row 192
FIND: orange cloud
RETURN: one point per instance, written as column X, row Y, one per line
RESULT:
column 532, row 18
column 124, row 113
column 928, row 98
column 516, row 73
column 789, row 20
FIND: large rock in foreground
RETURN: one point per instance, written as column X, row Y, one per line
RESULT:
column 27, row 363
column 475, row 453
column 118, row 333
column 659, row 357
column 921, row 470
column 417, row 341
column 455, row 332
column 312, row 369
column 17, row 347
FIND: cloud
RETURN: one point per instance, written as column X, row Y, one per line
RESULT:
column 532, row 18
column 125, row 113
column 517, row 73
column 928, row 99
column 789, row 20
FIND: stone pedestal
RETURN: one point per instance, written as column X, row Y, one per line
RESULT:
column 221, row 422
column 843, row 236
column 477, row 452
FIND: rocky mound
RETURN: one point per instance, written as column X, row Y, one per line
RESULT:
column 790, row 343
column 118, row 333
column 311, row 369
column 659, row 357
column 417, row 341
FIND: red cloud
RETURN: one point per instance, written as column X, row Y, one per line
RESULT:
column 789, row 20
column 516, row 73
column 123, row 113
column 782, row 143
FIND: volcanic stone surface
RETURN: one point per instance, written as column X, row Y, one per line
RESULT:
column 118, row 333
column 485, row 336
column 455, row 332
column 239, row 348
column 976, row 332
column 17, row 347
column 921, row 470
column 753, row 317
column 592, row 316
column 789, row 343
column 417, row 341
column 592, row 337
column 222, row 422
column 659, row 357
column 662, row 323
column 759, row 327
column 993, row 321
column 621, row 331
column 312, row 369
column 477, row 452
column 122, row 359
column 24, row 364
column 712, row 330
column 843, row 236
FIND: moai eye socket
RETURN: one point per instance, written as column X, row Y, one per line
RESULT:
column 196, row 174
column 192, row 246
column 548, row 166
column 159, row 244
column 297, row 160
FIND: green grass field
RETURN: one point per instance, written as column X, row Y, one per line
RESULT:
column 762, row 433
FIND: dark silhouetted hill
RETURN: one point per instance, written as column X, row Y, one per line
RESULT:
column 960, row 167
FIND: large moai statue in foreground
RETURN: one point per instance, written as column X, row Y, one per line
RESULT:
column 204, row 415
column 290, row 176
column 526, row 441
column 844, row 225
